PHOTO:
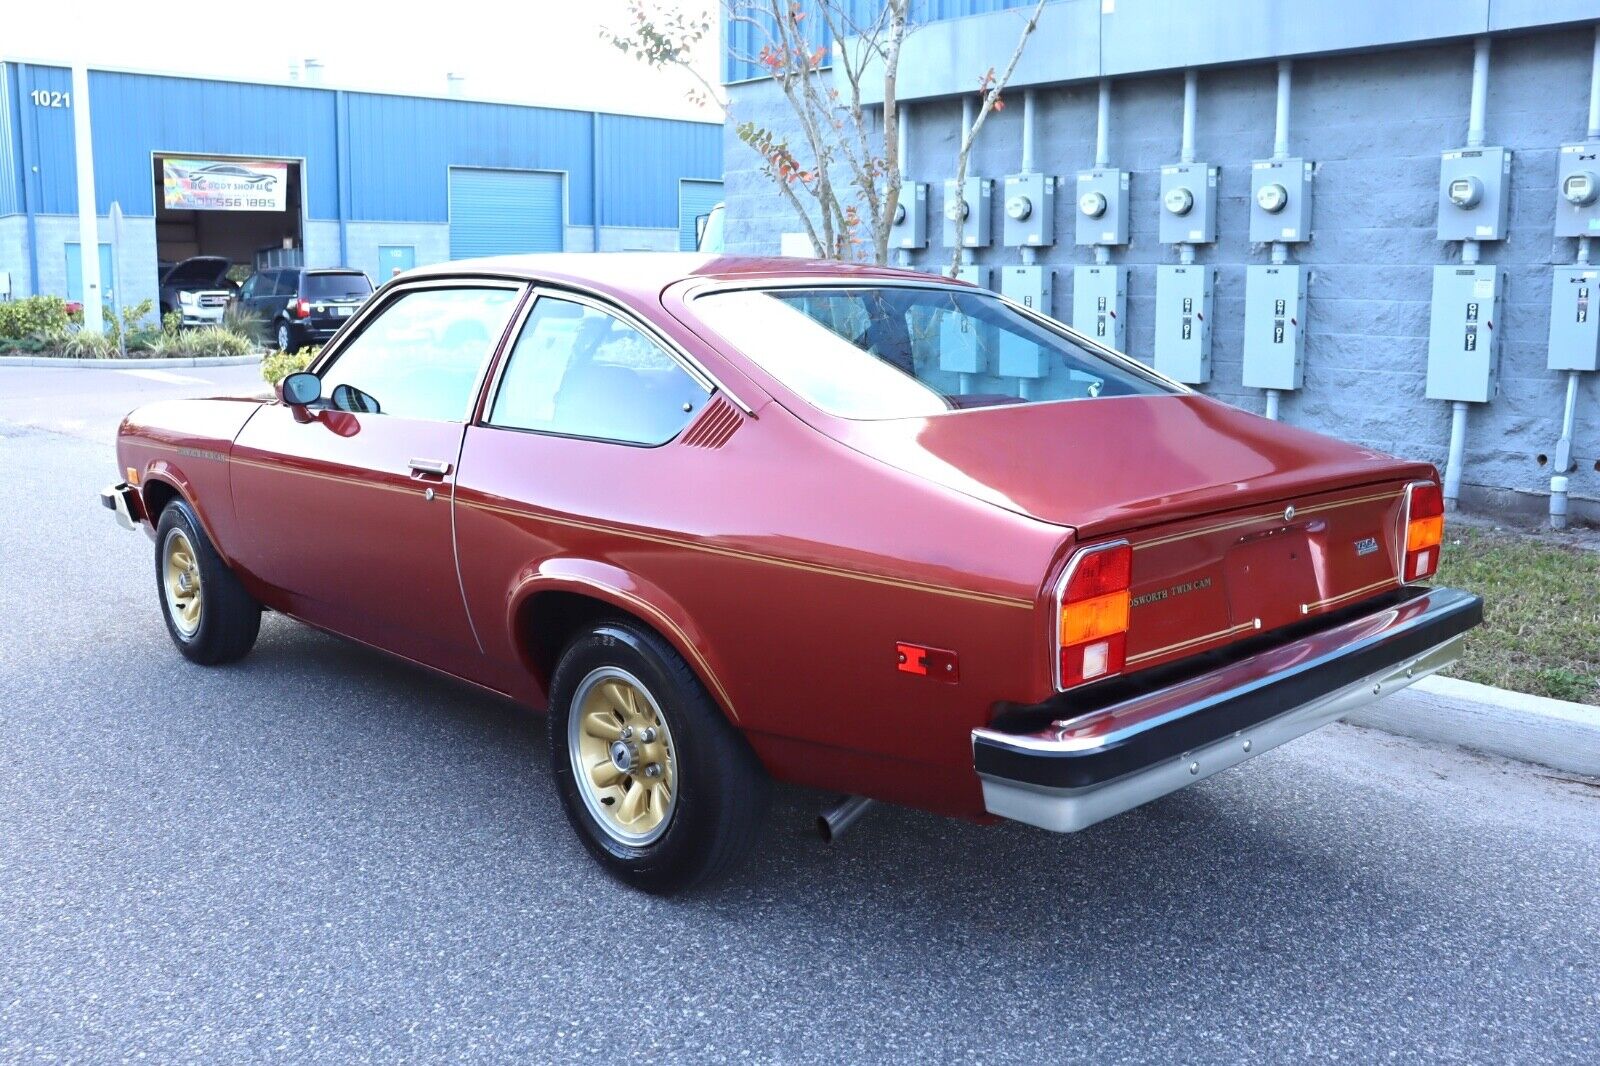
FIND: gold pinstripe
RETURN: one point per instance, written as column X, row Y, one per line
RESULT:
column 1238, row 522
column 1307, row 608
column 770, row 560
column 1192, row 642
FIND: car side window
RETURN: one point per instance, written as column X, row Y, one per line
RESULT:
column 421, row 355
column 252, row 283
column 582, row 372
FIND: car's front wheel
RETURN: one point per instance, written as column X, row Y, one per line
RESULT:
column 662, row 790
column 209, row 615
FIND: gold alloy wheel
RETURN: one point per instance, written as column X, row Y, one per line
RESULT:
column 180, row 579
column 623, row 757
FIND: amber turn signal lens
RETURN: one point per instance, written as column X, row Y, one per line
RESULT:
column 1099, row 617
column 1424, row 532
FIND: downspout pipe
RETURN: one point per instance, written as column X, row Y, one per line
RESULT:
column 1469, row 257
column 1569, row 410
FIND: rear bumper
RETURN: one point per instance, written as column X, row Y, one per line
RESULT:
column 1098, row 761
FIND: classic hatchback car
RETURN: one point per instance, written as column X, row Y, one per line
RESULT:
column 858, row 528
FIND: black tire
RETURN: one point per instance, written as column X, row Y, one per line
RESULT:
column 720, row 788
column 286, row 337
column 228, row 617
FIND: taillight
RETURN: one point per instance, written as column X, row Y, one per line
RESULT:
column 1424, row 530
column 1092, row 631
column 302, row 309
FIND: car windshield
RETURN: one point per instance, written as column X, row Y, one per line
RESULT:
column 334, row 286
column 877, row 352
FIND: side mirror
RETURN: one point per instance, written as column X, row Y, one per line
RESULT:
column 300, row 389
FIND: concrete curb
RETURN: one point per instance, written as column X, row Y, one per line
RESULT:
column 1555, row 733
column 131, row 362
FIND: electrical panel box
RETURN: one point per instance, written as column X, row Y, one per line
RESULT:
column 1100, row 303
column 1578, row 190
column 1280, row 201
column 1102, row 207
column 1474, row 192
column 1183, row 322
column 1188, row 204
column 1030, row 286
column 1575, row 319
column 910, row 226
column 1030, row 210
column 971, row 273
column 974, row 206
column 1274, row 326
column 1464, row 334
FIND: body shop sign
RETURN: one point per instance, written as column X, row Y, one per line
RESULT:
column 218, row 185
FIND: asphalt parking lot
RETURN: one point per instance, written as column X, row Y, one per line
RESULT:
column 319, row 853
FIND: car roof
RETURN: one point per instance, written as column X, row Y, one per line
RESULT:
column 645, row 274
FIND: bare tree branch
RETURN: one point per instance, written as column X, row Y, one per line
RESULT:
column 991, row 87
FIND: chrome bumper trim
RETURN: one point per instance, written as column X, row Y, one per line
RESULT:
column 115, row 500
column 1069, row 810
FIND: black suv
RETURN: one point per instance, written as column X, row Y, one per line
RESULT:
column 302, row 307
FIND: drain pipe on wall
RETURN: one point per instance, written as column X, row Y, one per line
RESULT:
column 1280, row 151
column 1569, row 412
column 1469, row 257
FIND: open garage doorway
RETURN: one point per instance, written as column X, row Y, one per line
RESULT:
column 245, row 210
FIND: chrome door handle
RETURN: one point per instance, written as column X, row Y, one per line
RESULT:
column 430, row 466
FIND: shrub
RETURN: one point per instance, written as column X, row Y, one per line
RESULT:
column 82, row 344
column 33, row 316
column 279, row 365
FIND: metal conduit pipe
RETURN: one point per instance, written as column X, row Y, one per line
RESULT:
column 1280, row 150
column 1102, row 151
column 1469, row 256
column 1191, row 92
column 1030, row 255
column 902, row 146
column 1569, row 410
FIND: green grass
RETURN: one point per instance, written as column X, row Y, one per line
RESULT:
column 1541, row 630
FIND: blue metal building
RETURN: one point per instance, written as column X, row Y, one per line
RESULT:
column 377, row 181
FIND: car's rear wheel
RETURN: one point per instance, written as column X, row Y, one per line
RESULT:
column 662, row 790
column 209, row 615
column 285, row 337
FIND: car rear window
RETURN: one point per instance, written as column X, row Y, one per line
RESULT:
column 900, row 351
column 334, row 286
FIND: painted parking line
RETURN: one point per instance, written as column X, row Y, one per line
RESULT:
column 167, row 376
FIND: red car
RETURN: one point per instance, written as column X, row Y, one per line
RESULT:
column 858, row 528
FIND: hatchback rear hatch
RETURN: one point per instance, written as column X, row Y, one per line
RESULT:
column 1238, row 524
column 331, row 296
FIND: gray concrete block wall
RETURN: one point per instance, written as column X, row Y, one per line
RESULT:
column 136, row 265
column 363, row 239
column 1375, row 125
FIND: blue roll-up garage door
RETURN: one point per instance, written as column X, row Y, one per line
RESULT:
column 695, row 198
column 506, row 212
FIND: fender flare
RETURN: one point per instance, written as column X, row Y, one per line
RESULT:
column 629, row 594
column 162, row 472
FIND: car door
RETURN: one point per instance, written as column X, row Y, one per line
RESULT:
column 345, row 506
column 579, row 435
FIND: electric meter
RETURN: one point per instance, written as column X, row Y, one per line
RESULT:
column 956, row 209
column 1179, row 200
column 1092, row 204
column 899, row 213
column 1466, row 192
column 1272, row 198
column 1580, row 188
column 1019, row 207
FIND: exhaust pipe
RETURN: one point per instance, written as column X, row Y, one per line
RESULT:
column 834, row 822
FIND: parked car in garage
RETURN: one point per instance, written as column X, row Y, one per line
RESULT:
column 734, row 519
column 198, row 289
column 301, row 307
